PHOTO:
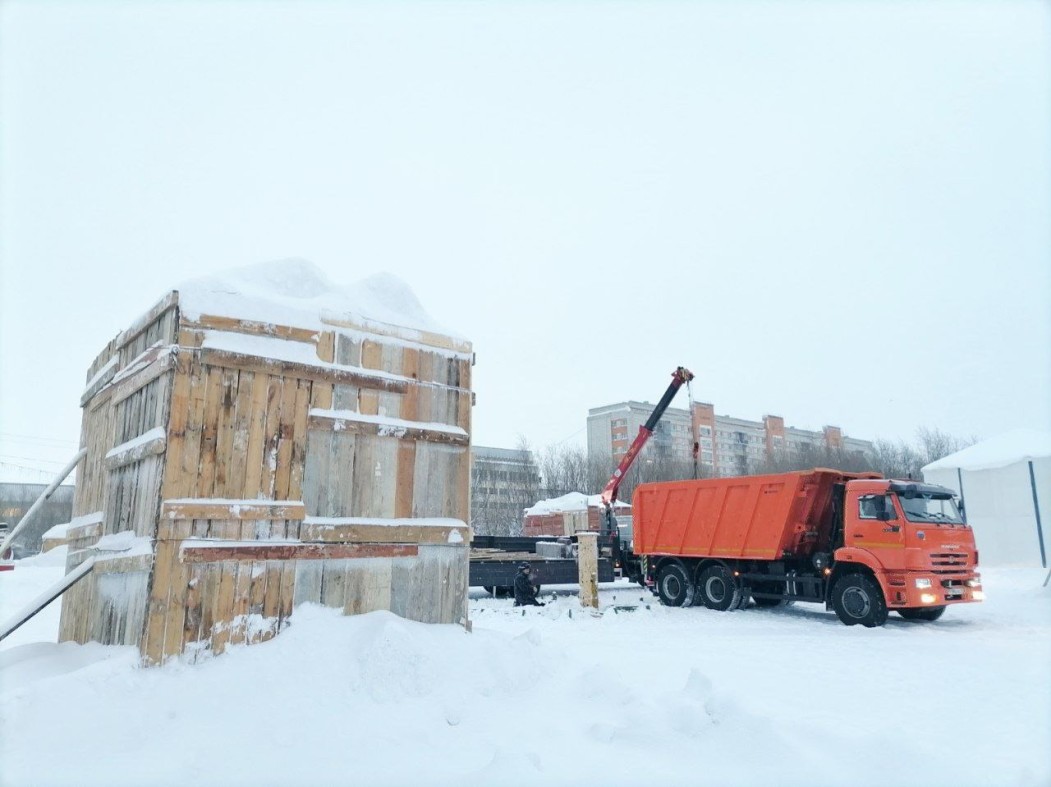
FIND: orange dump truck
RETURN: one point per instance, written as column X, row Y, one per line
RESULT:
column 860, row 544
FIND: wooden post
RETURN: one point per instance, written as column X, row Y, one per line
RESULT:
column 587, row 565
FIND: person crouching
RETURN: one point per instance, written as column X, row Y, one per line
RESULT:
column 525, row 590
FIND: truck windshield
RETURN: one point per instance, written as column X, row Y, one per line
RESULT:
column 931, row 508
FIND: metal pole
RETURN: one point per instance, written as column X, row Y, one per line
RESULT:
column 40, row 500
column 1036, row 509
column 963, row 503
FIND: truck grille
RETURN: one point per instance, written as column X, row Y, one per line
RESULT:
column 948, row 562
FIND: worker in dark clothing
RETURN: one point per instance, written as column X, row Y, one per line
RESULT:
column 525, row 590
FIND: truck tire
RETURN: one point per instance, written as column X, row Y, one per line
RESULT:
column 719, row 589
column 674, row 586
column 857, row 598
column 929, row 614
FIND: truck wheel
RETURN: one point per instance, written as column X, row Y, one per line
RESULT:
column 924, row 613
column 858, row 599
column 674, row 586
column 719, row 590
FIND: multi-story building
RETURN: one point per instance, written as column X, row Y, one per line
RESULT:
column 727, row 445
column 504, row 481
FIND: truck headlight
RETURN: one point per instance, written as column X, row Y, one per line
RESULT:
column 974, row 583
column 923, row 583
column 928, row 598
column 978, row 595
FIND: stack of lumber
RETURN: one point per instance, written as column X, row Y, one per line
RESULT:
column 238, row 467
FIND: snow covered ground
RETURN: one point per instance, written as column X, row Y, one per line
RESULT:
column 550, row 697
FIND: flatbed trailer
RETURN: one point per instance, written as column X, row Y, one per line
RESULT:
column 495, row 559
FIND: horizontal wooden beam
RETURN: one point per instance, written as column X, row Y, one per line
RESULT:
column 232, row 509
column 250, row 327
column 302, row 371
column 199, row 551
column 123, row 565
column 151, row 364
column 378, row 328
column 385, row 533
column 144, row 321
column 335, row 423
column 136, row 454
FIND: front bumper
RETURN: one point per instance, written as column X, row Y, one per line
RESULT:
column 943, row 590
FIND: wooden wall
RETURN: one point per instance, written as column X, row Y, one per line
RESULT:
column 211, row 435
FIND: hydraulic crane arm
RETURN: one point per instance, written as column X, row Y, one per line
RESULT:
column 680, row 376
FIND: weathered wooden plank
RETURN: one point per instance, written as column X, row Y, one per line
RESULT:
column 367, row 586
column 254, row 447
column 250, row 327
column 225, row 434
column 307, row 581
column 123, row 565
column 209, row 433
column 144, row 321
column 232, row 509
column 157, row 611
column 334, row 583
column 136, row 453
column 151, row 365
column 343, row 421
column 299, row 440
column 222, row 609
column 329, row 374
column 283, row 468
column 238, row 459
column 384, row 533
column 200, row 552
column 242, row 601
column 379, row 329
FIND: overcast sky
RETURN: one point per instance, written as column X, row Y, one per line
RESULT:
column 835, row 212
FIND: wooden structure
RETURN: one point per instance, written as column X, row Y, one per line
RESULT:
column 237, row 468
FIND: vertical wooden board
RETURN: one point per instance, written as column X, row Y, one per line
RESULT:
column 436, row 490
column 375, row 477
column 138, row 598
column 271, row 601
column 404, row 490
column 326, row 346
column 316, row 481
column 179, row 578
column 283, row 473
column 191, row 628
column 222, row 607
column 425, row 367
column 299, row 440
column 242, row 600
column 463, row 410
column 213, row 574
column 321, row 395
column 348, row 351
column 237, row 458
column 164, row 563
column 308, row 581
column 340, row 480
column 259, row 577
column 345, row 397
column 254, row 445
column 180, row 476
column 288, row 590
column 415, row 589
column 389, row 404
column 271, row 438
column 368, row 402
column 225, row 434
column 368, row 585
column 333, row 582
column 205, row 482
column 461, row 500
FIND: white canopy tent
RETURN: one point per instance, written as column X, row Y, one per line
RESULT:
column 1005, row 483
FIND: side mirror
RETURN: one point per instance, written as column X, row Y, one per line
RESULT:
column 884, row 515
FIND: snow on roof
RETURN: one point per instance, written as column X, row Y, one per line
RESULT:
column 1004, row 449
column 296, row 292
column 574, row 501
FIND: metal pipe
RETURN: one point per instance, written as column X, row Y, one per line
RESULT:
column 1036, row 510
column 40, row 500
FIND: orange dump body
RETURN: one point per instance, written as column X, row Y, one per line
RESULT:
column 766, row 517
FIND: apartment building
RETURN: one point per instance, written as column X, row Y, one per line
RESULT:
column 504, row 481
column 727, row 445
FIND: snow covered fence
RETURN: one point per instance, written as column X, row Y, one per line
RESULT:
column 265, row 438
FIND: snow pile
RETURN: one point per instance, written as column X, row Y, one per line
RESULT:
column 573, row 501
column 554, row 696
column 51, row 558
column 296, row 292
column 1017, row 446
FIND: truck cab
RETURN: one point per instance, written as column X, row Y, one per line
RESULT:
column 911, row 539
